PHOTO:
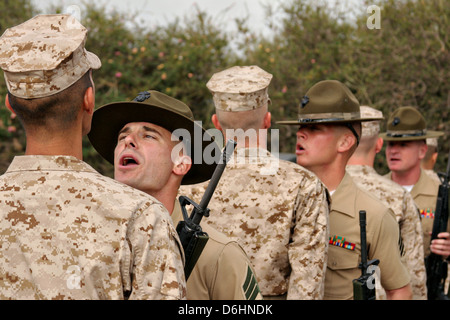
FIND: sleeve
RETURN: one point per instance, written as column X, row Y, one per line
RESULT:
column 412, row 235
column 385, row 247
column 157, row 264
column 234, row 278
column 309, row 243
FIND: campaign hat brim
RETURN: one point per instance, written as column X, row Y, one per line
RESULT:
column 307, row 121
column 404, row 137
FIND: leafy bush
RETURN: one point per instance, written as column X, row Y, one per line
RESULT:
column 405, row 62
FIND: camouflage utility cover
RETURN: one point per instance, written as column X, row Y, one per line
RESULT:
column 278, row 212
column 45, row 55
column 240, row 88
column 66, row 232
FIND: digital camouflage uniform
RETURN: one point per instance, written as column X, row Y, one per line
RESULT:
column 278, row 212
column 67, row 232
column 407, row 215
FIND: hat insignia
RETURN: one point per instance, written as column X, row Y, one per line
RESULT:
column 305, row 101
column 396, row 121
column 142, row 96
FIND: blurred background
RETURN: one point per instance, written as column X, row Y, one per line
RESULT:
column 175, row 46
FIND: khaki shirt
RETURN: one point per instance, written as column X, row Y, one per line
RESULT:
column 344, row 254
column 278, row 211
column 424, row 194
column 407, row 215
column 223, row 271
column 68, row 232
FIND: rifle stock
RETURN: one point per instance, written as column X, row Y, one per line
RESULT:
column 190, row 232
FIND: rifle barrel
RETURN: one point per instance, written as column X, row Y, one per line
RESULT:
column 362, row 223
column 226, row 154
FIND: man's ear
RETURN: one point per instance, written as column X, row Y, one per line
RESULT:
column 182, row 165
column 346, row 141
column 89, row 100
column 216, row 122
column 423, row 148
column 8, row 105
column 379, row 145
column 267, row 120
column 434, row 157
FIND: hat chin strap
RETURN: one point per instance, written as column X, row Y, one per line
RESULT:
column 348, row 125
column 406, row 133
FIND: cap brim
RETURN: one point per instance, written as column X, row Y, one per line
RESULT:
column 108, row 120
column 94, row 60
column 430, row 134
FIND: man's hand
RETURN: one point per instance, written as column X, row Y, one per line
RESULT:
column 441, row 246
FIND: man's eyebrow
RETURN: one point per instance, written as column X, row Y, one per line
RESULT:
column 124, row 130
column 145, row 128
column 151, row 130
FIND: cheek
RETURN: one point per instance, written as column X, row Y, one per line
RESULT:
column 117, row 151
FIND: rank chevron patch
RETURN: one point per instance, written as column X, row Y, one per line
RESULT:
column 250, row 286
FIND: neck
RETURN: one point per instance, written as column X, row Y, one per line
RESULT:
column 166, row 198
column 44, row 142
column 167, row 195
column 406, row 178
column 362, row 161
column 253, row 140
column 330, row 175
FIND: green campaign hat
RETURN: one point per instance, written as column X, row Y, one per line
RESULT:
column 328, row 102
column 407, row 123
column 159, row 109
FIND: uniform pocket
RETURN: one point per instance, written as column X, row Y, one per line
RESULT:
column 341, row 258
column 342, row 268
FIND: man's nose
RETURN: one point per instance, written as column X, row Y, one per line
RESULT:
column 300, row 133
column 130, row 141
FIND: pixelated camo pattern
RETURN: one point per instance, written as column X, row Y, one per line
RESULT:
column 66, row 232
column 279, row 218
column 407, row 215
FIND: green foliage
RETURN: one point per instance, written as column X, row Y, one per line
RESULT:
column 405, row 62
column 12, row 140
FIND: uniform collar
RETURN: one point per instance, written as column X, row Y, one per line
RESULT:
column 424, row 186
column 354, row 168
column 177, row 214
column 344, row 198
column 48, row 163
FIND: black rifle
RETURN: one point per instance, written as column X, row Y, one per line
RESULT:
column 191, row 235
column 435, row 265
column 364, row 286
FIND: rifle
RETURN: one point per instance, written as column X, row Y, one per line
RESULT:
column 435, row 265
column 363, row 288
column 191, row 235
